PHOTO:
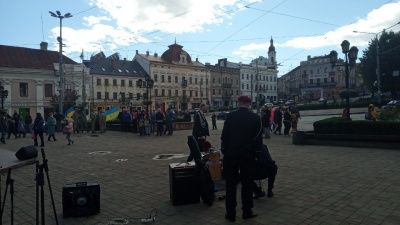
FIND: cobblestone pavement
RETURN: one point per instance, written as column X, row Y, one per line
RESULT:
column 315, row 184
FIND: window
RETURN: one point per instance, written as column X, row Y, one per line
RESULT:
column 242, row 76
column 332, row 79
column 270, row 79
column 155, row 92
column 237, row 92
column 115, row 95
column 162, row 78
column 106, row 95
column 247, row 85
column 130, row 83
column 213, row 92
column 237, row 81
column 311, row 71
column 231, row 92
column 176, row 93
column 325, row 80
column 169, row 92
column 137, row 96
column 98, row 95
column 195, row 80
column 130, row 95
column 176, row 79
column 325, row 69
column 122, row 83
column 274, row 79
column 114, row 82
column 219, row 91
column 318, row 80
column 219, row 80
column 184, row 93
column 155, row 78
column 48, row 90
column 106, row 82
column 23, row 89
column 247, row 76
column 311, row 81
column 67, row 88
column 196, row 93
column 318, row 70
column 274, row 88
column 145, row 96
column 98, row 82
column 190, row 93
column 169, row 79
column 162, row 92
column 213, row 80
column 206, row 81
column 242, row 86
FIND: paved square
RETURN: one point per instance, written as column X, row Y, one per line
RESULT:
column 315, row 184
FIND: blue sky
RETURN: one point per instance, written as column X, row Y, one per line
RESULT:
column 239, row 30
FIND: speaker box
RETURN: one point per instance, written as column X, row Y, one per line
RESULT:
column 26, row 153
column 81, row 199
column 184, row 183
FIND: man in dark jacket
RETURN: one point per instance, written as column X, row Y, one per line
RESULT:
column 59, row 117
column 200, row 126
column 265, row 115
column 241, row 144
column 278, row 120
column 159, row 121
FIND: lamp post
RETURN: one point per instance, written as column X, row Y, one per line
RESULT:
column 149, row 84
column 350, row 59
column 59, row 39
column 3, row 95
column 378, row 77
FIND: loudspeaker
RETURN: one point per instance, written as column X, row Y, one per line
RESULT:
column 184, row 183
column 81, row 199
column 27, row 152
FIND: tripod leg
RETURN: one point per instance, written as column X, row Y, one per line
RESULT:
column 5, row 192
column 12, row 200
column 46, row 169
column 42, row 203
column 37, row 192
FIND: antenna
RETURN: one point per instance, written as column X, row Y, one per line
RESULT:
column 41, row 17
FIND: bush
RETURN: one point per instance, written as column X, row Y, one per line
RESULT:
column 339, row 125
column 389, row 115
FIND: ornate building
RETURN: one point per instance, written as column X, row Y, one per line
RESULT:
column 180, row 83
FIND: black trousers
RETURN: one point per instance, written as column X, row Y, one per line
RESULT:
column 287, row 124
column 160, row 128
column 232, row 165
column 271, row 181
column 40, row 133
column 279, row 128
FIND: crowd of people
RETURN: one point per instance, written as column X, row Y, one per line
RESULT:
column 273, row 118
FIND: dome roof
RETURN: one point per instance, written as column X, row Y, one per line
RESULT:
column 271, row 47
column 174, row 54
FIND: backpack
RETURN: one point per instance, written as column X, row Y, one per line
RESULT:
column 368, row 115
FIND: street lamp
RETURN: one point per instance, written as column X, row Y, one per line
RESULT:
column 378, row 77
column 351, row 57
column 149, row 84
column 3, row 95
column 59, row 39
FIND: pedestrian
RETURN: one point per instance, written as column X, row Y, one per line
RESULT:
column 214, row 121
column 102, row 122
column 121, row 119
column 265, row 115
column 141, row 122
column 153, row 122
column 295, row 114
column 200, row 128
column 146, row 122
column 69, row 129
column 28, row 123
column 272, row 120
column 75, row 117
column 170, row 120
column 241, row 144
column 16, row 119
column 159, row 121
column 21, row 128
column 165, row 122
column 82, row 122
column 126, row 119
column 135, row 115
column 278, row 120
column 287, row 118
column 3, row 126
column 59, row 117
column 38, row 128
column 51, row 127
column 11, row 127
column 371, row 113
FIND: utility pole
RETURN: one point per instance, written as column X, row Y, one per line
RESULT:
column 83, row 85
column 257, row 89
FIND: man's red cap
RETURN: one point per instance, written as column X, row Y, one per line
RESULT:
column 244, row 98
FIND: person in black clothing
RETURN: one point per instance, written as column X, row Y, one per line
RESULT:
column 160, row 122
column 266, row 168
column 287, row 121
column 241, row 143
column 278, row 120
column 59, row 117
column 200, row 127
column 38, row 127
column 214, row 121
column 265, row 115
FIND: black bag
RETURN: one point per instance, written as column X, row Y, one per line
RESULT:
column 265, row 167
column 206, row 186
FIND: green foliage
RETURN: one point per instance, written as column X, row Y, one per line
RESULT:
column 362, row 103
column 339, row 125
column 147, row 102
column 352, row 94
column 69, row 100
column 389, row 115
column 388, row 57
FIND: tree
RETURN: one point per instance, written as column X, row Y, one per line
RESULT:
column 69, row 100
column 389, row 60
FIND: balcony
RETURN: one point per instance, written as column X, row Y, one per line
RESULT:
column 226, row 85
column 318, row 85
column 184, row 83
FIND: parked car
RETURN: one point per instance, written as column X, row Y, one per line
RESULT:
column 269, row 105
column 289, row 102
column 193, row 111
column 282, row 101
column 222, row 115
column 322, row 100
column 392, row 104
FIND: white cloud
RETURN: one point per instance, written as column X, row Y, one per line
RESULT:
column 375, row 21
column 92, row 20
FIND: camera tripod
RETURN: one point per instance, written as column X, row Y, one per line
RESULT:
column 9, row 182
column 39, row 185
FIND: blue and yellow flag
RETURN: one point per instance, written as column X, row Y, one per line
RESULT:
column 69, row 112
column 112, row 113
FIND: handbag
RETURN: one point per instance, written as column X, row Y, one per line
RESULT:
column 33, row 135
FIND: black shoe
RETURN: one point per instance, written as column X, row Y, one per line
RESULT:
column 246, row 216
column 230, row 218
column 68, row 144
column 55, row 140
column 270, row 194
column 259, row 195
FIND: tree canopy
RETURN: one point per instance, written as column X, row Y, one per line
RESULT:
column 389, row 60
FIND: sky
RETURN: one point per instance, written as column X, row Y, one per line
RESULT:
column 239, row 30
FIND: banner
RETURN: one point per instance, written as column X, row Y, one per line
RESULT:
column 112, row 113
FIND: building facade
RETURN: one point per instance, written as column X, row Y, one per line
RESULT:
column 30, row 76
column 224, row 84
column 316, row 78
column 180, row 83
column 114, row 82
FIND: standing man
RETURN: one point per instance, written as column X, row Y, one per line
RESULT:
column 75, row 117
column 102, row 122
column 159, row 121
column 265, row 115
column 59, row 117
column 170, row 120
column 200, row 126
column 16, row 118
column 241, row 144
